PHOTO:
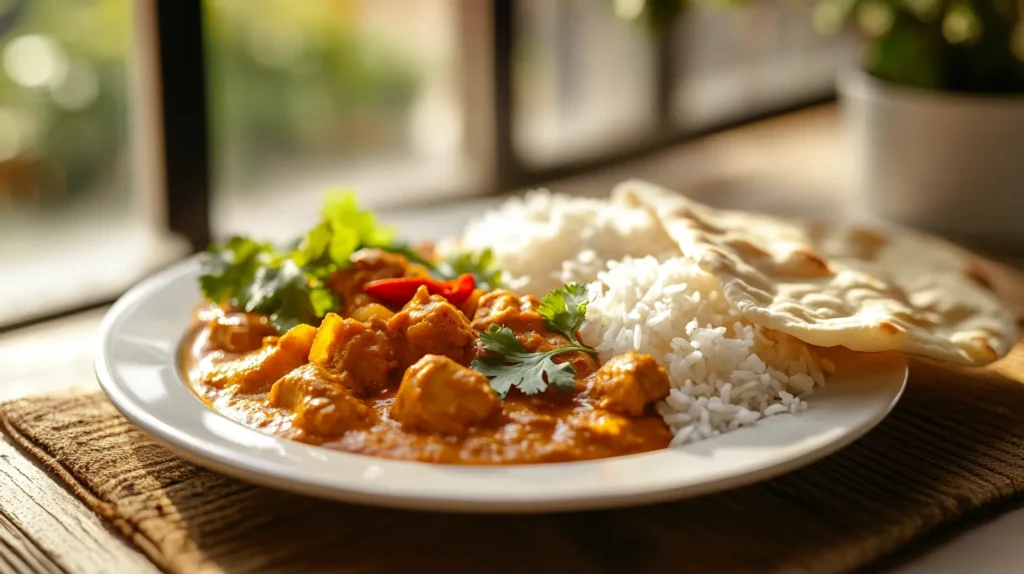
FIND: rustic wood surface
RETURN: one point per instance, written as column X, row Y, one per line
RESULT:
column 788, row 165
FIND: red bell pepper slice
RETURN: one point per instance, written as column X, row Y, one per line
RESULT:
column 400, row 290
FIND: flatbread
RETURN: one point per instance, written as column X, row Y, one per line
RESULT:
column 836, row 284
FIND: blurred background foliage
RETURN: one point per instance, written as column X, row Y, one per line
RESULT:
column 293, row 77
column 62, row 95
column 301, row 79
column 949, row 45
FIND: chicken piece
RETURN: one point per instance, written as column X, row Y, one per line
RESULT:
column 320, row 400
column 255, row 372
column 235, row 332
column 362, row 350
column 430, row 325
column 439, row 395
column 521, row 316
column 371, row 310
column 507, row 309
column 628, row 383
column 367, row 265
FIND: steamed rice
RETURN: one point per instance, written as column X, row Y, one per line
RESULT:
column 532, row 237
column 724, row 372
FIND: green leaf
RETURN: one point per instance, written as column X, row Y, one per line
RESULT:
column 514, row 366
column 227, row 269
column 480, row 265
column 283, row 294
column 323, row 300
column 502, row 340
column 313, row 245
column 502, row 377
column 341, row 210
column 565, row 309
column 288, row 284
column 343, row 244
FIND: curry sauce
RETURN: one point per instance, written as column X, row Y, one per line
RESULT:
column 395, row 382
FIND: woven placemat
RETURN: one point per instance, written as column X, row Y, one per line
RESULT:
column 953, row 445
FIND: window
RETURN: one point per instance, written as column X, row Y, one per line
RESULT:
column 310, row 95
column 133, row 131
column 68, row 205
column 733, row 62
column 584, row 81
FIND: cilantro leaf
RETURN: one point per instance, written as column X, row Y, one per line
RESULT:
column 514, row 366
column 288, row 284
column 480, row 265
column 565, row 309
column 228, row 268
column 282, row 293
column 312, row 247
column 341, row 211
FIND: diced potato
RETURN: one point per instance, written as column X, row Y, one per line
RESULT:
column 348, row 346
column 430, row 325
column 257, row 371
column 628, row 383
column 439, row 395
column 320, row 401
column 370, row 311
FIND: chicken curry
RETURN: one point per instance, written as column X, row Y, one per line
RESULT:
column 411, row 372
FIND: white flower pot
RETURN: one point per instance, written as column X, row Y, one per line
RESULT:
column 952, row 164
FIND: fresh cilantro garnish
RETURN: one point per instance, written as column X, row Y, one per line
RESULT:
column 511, row 365
column 288, row 284
column 284, row 294
column 514, row 366
column 480, row 265
column 565, row 309
column 229, row 268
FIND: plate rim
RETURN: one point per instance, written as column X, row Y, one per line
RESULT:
column 235, row 465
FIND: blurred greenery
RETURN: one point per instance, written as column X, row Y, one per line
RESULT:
column 69, row 142
column 300, row 79
column 284, row 77
column 948, row 45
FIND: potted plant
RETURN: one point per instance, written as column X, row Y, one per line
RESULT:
column 934, row 114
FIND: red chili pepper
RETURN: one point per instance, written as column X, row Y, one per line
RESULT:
column 400, row 290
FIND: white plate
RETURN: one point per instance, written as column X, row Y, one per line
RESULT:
column 137, row 369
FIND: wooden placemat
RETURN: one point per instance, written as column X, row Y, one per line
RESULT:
column 954, row 445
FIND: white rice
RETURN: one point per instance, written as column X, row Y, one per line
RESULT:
column 531, row 238
column 725, row 373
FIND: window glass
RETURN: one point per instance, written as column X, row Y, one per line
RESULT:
column 584, row 81
column 738, row 61
column 66, row 204
column 323, row 93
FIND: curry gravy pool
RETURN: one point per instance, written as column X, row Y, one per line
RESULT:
column 394, row 382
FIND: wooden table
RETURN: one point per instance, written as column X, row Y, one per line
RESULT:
column 789, row 165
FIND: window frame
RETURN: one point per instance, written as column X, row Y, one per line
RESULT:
column 179, row 26
column 172, row 138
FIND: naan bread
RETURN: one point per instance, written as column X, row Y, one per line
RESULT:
column 838, row 285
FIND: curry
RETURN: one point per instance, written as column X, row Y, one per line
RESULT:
column 411, row 368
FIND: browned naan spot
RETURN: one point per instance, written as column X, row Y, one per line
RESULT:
column 890, row 328
column 867, row 243
column 975, row 272
column 810, row 264
column 746, row 249
column 990, row 353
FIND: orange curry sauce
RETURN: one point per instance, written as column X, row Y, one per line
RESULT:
column 395, row 383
